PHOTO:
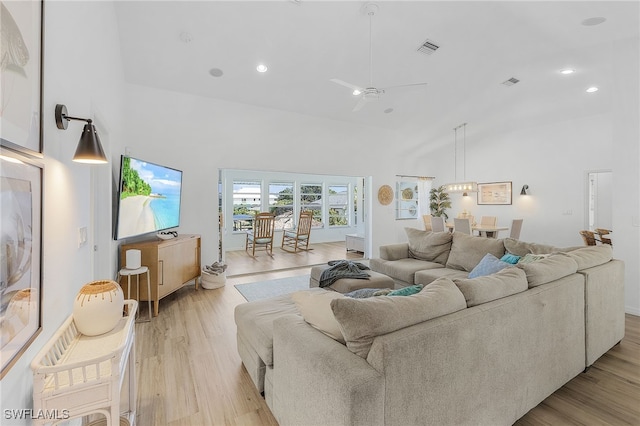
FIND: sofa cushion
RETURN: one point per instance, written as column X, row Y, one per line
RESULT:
column 588, row 257
column 549, row 269
column 488, row 265
column 430, row 246
column 484, row 289
column 315, row 308
column 520, row 248
column 430, row 275
column 361, row 320
column 467, row 251
column 402, row 269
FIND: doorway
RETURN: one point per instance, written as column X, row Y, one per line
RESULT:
column 599, row 199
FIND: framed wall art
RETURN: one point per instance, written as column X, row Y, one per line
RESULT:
column 21, row 76
column 407, row 200
column 494, row 193
column 20, row 254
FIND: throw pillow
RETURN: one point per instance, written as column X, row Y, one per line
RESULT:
column 467, row 251
column 406, row 291
column 549, row 269
column 510, row 258
column 491, row 287
column 315, row 308
column 429, row 246
column 529, row 258
column 361, row 320
column 487, row 266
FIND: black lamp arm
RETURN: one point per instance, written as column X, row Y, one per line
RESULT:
column 62, row 118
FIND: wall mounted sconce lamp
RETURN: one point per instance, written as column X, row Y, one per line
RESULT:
column 89, row 149
column 525, row 190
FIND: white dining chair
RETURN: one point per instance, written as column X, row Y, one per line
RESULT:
column 516, row 226
column 437, row 224
column 487, row 221
column 462, row 225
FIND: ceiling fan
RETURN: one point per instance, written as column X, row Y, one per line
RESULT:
column 369, row 93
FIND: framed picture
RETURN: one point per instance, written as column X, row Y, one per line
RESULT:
column 494, row 193
column 20, row 254
column 406, row 200
column 21, row 76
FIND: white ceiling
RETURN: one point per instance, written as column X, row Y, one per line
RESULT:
column 307, row 43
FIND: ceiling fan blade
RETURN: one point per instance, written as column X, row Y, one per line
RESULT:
column 360, row 104
column 345, row 84
column 404, row 85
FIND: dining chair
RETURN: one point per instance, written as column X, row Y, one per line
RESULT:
column 516, row 226
column 261, row 233
column 462, row 225
column 488, row 220
column 588, row 237
column 294, row 239
column 437, row 224
column 602, row 233
column 427, row 222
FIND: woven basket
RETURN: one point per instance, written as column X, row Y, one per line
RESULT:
column 211, row 281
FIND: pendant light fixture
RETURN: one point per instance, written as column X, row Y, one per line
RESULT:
column 89, row 148
column 465, row 186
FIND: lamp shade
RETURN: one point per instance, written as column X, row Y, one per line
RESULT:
column 89, row 149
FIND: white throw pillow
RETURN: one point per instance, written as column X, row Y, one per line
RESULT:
column 315, row 308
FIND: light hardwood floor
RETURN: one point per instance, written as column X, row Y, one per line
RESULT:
column 189, row 372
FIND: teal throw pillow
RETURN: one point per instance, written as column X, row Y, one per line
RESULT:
column 487, row 266
column 510, row 258
column 406, row 291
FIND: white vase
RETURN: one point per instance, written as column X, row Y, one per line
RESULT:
column 98, row 307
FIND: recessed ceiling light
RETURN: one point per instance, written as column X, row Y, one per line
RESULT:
column 216, row 72
column 356, row 92
column 567, row 71
column 186, row 37
column 592, row 89
column 388, row 110
column 261, row 68
column 590, row 22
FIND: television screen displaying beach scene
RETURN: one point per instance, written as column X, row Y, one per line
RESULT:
column 149, row 199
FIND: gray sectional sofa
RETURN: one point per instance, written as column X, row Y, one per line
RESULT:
column 479, row 351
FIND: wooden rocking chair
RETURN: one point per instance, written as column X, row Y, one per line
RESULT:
column 294, row 239
column 261, row 234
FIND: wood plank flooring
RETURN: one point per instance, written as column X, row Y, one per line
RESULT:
column 189, row 371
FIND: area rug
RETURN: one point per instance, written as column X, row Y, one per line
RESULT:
column 265, row 289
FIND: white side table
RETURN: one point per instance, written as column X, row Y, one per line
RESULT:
column 137, row 272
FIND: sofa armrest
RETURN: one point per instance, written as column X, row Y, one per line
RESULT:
column 394, row 251
column 317, row 380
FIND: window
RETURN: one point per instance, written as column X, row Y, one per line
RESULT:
column 281, row 203
column 247, row 201
column 311, row 199
column 338, row 205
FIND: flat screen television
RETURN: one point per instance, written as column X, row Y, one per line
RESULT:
column 149, row 198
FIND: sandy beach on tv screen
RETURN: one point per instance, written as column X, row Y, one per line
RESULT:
column 136, row 216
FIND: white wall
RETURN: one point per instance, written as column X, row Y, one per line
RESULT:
column 85, row 74
column 200, row 135
column 553, row 157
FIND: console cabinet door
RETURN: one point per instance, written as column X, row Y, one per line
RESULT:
column 177, row 264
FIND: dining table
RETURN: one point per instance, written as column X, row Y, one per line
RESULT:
column 488, row 231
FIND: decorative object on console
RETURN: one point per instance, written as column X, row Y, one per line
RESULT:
column 385, row 195
column 466, row 186
column 494, row 193
column 89, row 149
column 98, row 307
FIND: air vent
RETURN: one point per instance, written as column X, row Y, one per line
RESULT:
column 511, row 81
column 428, row 47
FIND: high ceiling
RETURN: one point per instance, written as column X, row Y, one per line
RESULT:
column 173, row 45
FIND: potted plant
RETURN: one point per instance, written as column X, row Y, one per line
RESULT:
column 439, row 202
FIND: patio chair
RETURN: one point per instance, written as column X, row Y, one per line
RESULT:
column 261, row 234
column 602, row 233
column 298, row 238
column 588, row 237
